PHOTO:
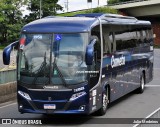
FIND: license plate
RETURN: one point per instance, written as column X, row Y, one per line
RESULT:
column 49, row 106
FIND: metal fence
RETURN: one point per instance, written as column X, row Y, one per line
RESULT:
column 155, row 116
column 7, row 76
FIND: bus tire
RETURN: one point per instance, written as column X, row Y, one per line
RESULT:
column 105, row 99
column 142, row 84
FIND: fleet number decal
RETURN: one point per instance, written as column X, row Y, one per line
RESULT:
column 79, row 89
column 37, row 37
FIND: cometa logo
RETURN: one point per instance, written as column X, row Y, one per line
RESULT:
column 115, row 62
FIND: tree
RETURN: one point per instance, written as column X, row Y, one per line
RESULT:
column 10, row 19
column 49, row 7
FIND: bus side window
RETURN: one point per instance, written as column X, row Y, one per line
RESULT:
column 139, row 38
column 96, row 62
column 97, row 46
column 147, row 41
column 112, row 42
column 107, row 44
column 119, row 37
column 144, row 36
column 150, row 36
column 125, row 40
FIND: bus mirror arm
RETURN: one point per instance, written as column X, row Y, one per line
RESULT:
column 90, row 52
column 7, row 51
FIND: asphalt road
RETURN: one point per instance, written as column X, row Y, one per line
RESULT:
column 130, row 106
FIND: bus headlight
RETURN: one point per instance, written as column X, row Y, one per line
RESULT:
column 24, row 95
column 77, row 95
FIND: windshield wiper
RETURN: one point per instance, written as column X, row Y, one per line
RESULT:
column 59, row 72
column 42, row 67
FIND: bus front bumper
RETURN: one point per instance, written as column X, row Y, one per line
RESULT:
column 78, row 106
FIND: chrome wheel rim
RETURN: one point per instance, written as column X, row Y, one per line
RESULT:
column 142, row 83
column 105, row 101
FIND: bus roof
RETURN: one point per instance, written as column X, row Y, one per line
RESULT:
column 60, row 24
column 77, row 23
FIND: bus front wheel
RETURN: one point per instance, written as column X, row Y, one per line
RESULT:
column 105, row 100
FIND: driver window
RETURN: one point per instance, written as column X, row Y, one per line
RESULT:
column 95, row 67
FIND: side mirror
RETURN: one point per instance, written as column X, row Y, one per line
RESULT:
column 7, row 51
column 90, row 52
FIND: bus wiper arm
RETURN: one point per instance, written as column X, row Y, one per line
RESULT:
column 43, row 65
column 60, row 74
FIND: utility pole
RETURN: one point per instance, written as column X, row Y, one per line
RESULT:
column 66, row 5
column 89, row 2
column 40, row 11
column 98, row 3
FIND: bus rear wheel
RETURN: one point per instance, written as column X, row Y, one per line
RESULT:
column 142, row 85
column 105, row 100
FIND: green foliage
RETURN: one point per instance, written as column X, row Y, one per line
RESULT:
column 49, row 7
column 71, row 13
column 10, row 20
column 113, row 1
column 95, row 10
column 104, row 10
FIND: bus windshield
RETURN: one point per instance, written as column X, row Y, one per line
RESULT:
column 54, row 59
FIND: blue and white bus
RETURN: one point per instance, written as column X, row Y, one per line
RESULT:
column 79, row 64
